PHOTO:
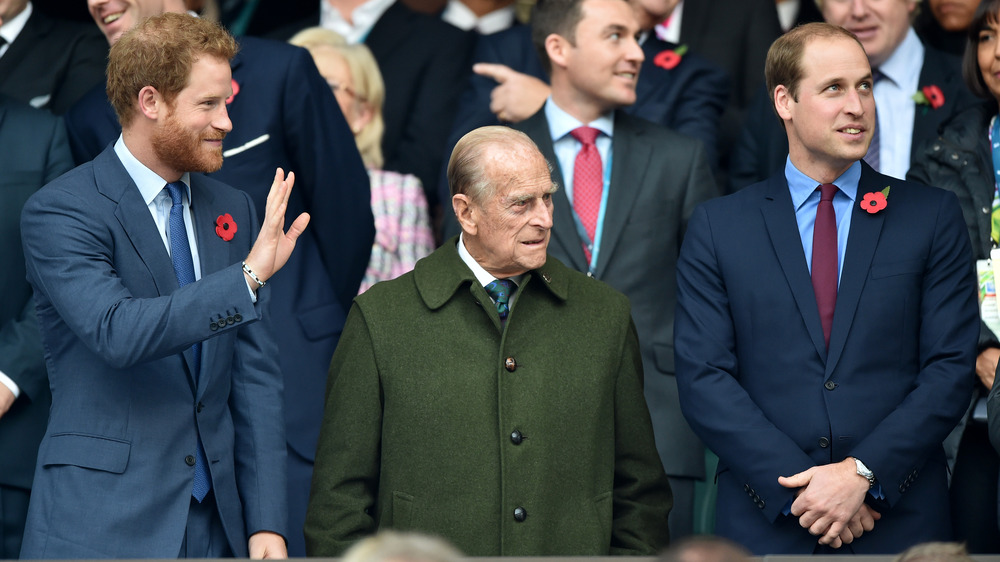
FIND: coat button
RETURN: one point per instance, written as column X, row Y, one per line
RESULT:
column 829, row 385
column 510, row 364
column 213, row 326
column 189, row 460
column 746, row 487
column 760, row 504
column 986, row 210
column 230, row 320
column 238, row 317
column 520, row 514
column 516, row 437
column 200, row 407
column 824, row 442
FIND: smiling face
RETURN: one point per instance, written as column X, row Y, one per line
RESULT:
column 830, row 125
column 988, row 55
column 598, row 71
column 508, row 233
column 115, row 17
column 880, row 25
column 188, row 136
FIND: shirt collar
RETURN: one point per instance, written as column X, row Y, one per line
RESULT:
column 149, row 183
column 561, row 123
column 482, row 276
column 802, row 186
column 363, row 19
column 11, row 29
column 458, row 14
column 904, row 64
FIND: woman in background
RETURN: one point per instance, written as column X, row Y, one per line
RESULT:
column 402, row 224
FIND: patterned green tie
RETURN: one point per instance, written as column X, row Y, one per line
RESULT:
column 500, row 291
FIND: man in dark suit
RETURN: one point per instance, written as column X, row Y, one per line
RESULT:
column 283, row 114
column 826, row 327
column 47, row 63
column 906, row 67
column 165, row 436
column 424, row 63
column 652, row 178
column 35, row 153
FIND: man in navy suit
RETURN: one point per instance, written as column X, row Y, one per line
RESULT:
column 165, row 436
column 35, row 153
column 826, row 327
column 284, row 114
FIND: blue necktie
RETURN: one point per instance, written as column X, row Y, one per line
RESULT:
column 500, row 291
column 180, row 254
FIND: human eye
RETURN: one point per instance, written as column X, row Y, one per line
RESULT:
column 985, row 35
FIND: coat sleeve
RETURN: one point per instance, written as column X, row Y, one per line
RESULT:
column 642, row 497
column 345, row 477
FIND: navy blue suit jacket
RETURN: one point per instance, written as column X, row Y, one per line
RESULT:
column 761, row 389
column 285, row 115
column 127, row 410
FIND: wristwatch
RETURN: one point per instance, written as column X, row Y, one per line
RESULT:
column 866, row 472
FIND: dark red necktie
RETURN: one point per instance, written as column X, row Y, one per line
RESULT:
column 824, row 258
column 588, row 183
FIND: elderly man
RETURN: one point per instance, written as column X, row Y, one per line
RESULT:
column 826, row 327
column 165, row 436
column 492, row 396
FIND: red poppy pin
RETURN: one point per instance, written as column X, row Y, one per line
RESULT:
column 875, row 201
column 929, row 96
column 670, row 58
column 225, row 227
column 236, row 90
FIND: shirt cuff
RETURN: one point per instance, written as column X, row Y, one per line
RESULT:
column 9, row 383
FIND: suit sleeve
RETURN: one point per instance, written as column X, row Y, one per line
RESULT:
column 717, row 407
column 21, row 356
column 345, row 477
column 948, row 334
column 642, row 497
column 330, row 174
column 70, row 260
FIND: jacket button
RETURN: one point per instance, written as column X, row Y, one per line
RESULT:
column 230, row 320
column 510, row 364
column 238, row 317
column 986, row 210
column 189, row 460
column 824, row 442
column 200, row 407
column 213, row 326
column 516, row 437
column 760, row 504
column 746, row 487
column 520, row 514
column 829, row 385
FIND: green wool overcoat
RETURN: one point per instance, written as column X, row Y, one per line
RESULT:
column 533, row 440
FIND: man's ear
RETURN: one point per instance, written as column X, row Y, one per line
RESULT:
column 465, row 212
column 783, row 102
column 556, row 46
column 150, row 102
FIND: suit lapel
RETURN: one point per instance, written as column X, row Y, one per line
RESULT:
column 779, row 217
column 935, row 71
column 861, row 244
column 630, row 160
column 213, row 253
column 32, row 34
column 133, row 214
column 563, row 223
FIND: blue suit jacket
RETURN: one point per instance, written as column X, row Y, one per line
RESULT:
column 282, row 97
column 759, row 386
column 112, row 480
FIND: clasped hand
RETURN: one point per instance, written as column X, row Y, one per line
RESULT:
column 830, row 502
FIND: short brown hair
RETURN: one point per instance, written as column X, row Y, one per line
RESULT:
column 471, row 168
column 554, row 16
column 783, row 66
column 160, row 52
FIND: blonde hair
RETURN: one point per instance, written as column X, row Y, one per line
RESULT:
column 369, row 88
column 394, row 546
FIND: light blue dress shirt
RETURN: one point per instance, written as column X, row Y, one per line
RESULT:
column 805, row 200
column 896, row 108
column 566, row 148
